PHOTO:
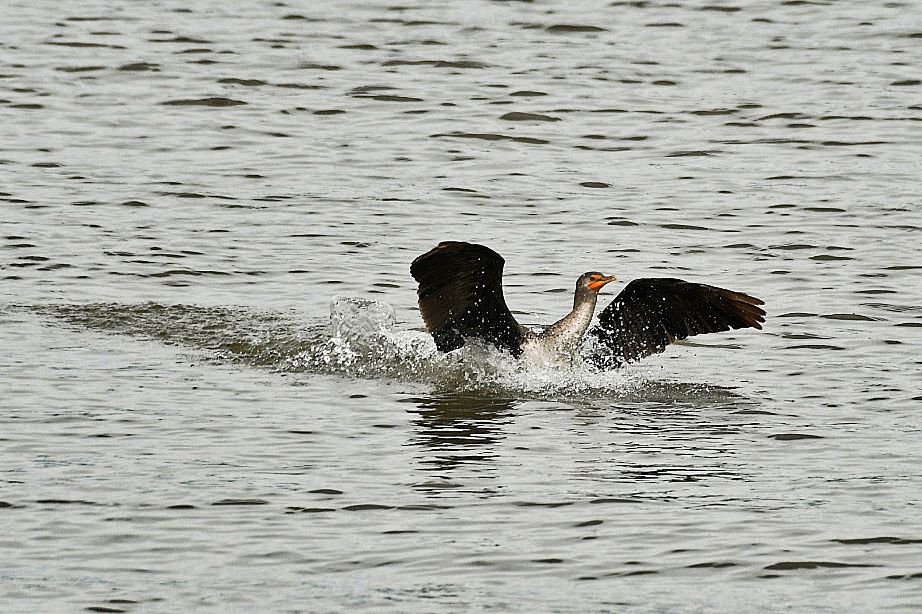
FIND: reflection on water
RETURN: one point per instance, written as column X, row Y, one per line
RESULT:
column 454, row 429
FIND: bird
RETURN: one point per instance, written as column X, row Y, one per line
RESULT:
column 460, row 297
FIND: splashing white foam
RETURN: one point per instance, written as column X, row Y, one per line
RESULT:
column 365, row 342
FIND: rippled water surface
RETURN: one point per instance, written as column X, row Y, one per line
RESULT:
column 216, row 393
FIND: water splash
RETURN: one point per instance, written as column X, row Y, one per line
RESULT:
column 361, row 339
column 365, row 341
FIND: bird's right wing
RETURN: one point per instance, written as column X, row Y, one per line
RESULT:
column 461, row 296
column 650, row 314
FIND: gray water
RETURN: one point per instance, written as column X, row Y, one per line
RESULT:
column 190, row 190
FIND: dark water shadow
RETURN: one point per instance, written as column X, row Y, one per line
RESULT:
column 680, row 395
column 228, row 334
column 452, row 430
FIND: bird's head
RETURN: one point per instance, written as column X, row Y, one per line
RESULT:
column 593, row 281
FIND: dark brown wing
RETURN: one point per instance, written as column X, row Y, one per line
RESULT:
column 461, row 296
column 649, row 314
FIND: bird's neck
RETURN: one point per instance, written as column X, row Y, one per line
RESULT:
column 567, row 333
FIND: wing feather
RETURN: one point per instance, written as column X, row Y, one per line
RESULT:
column 461, row 296
column 649, row 314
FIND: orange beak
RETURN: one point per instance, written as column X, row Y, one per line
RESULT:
column 597, row 285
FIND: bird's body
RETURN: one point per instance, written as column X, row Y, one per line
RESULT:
column 460, row 297
column 560, row 342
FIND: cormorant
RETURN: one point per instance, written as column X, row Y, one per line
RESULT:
column 461, row 296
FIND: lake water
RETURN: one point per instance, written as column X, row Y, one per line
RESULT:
column 191, row 190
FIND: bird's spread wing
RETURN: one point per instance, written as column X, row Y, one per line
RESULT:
column 649, row 314
column 461, row 296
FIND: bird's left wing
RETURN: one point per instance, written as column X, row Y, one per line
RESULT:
column 650, row 314
column 461, row 296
